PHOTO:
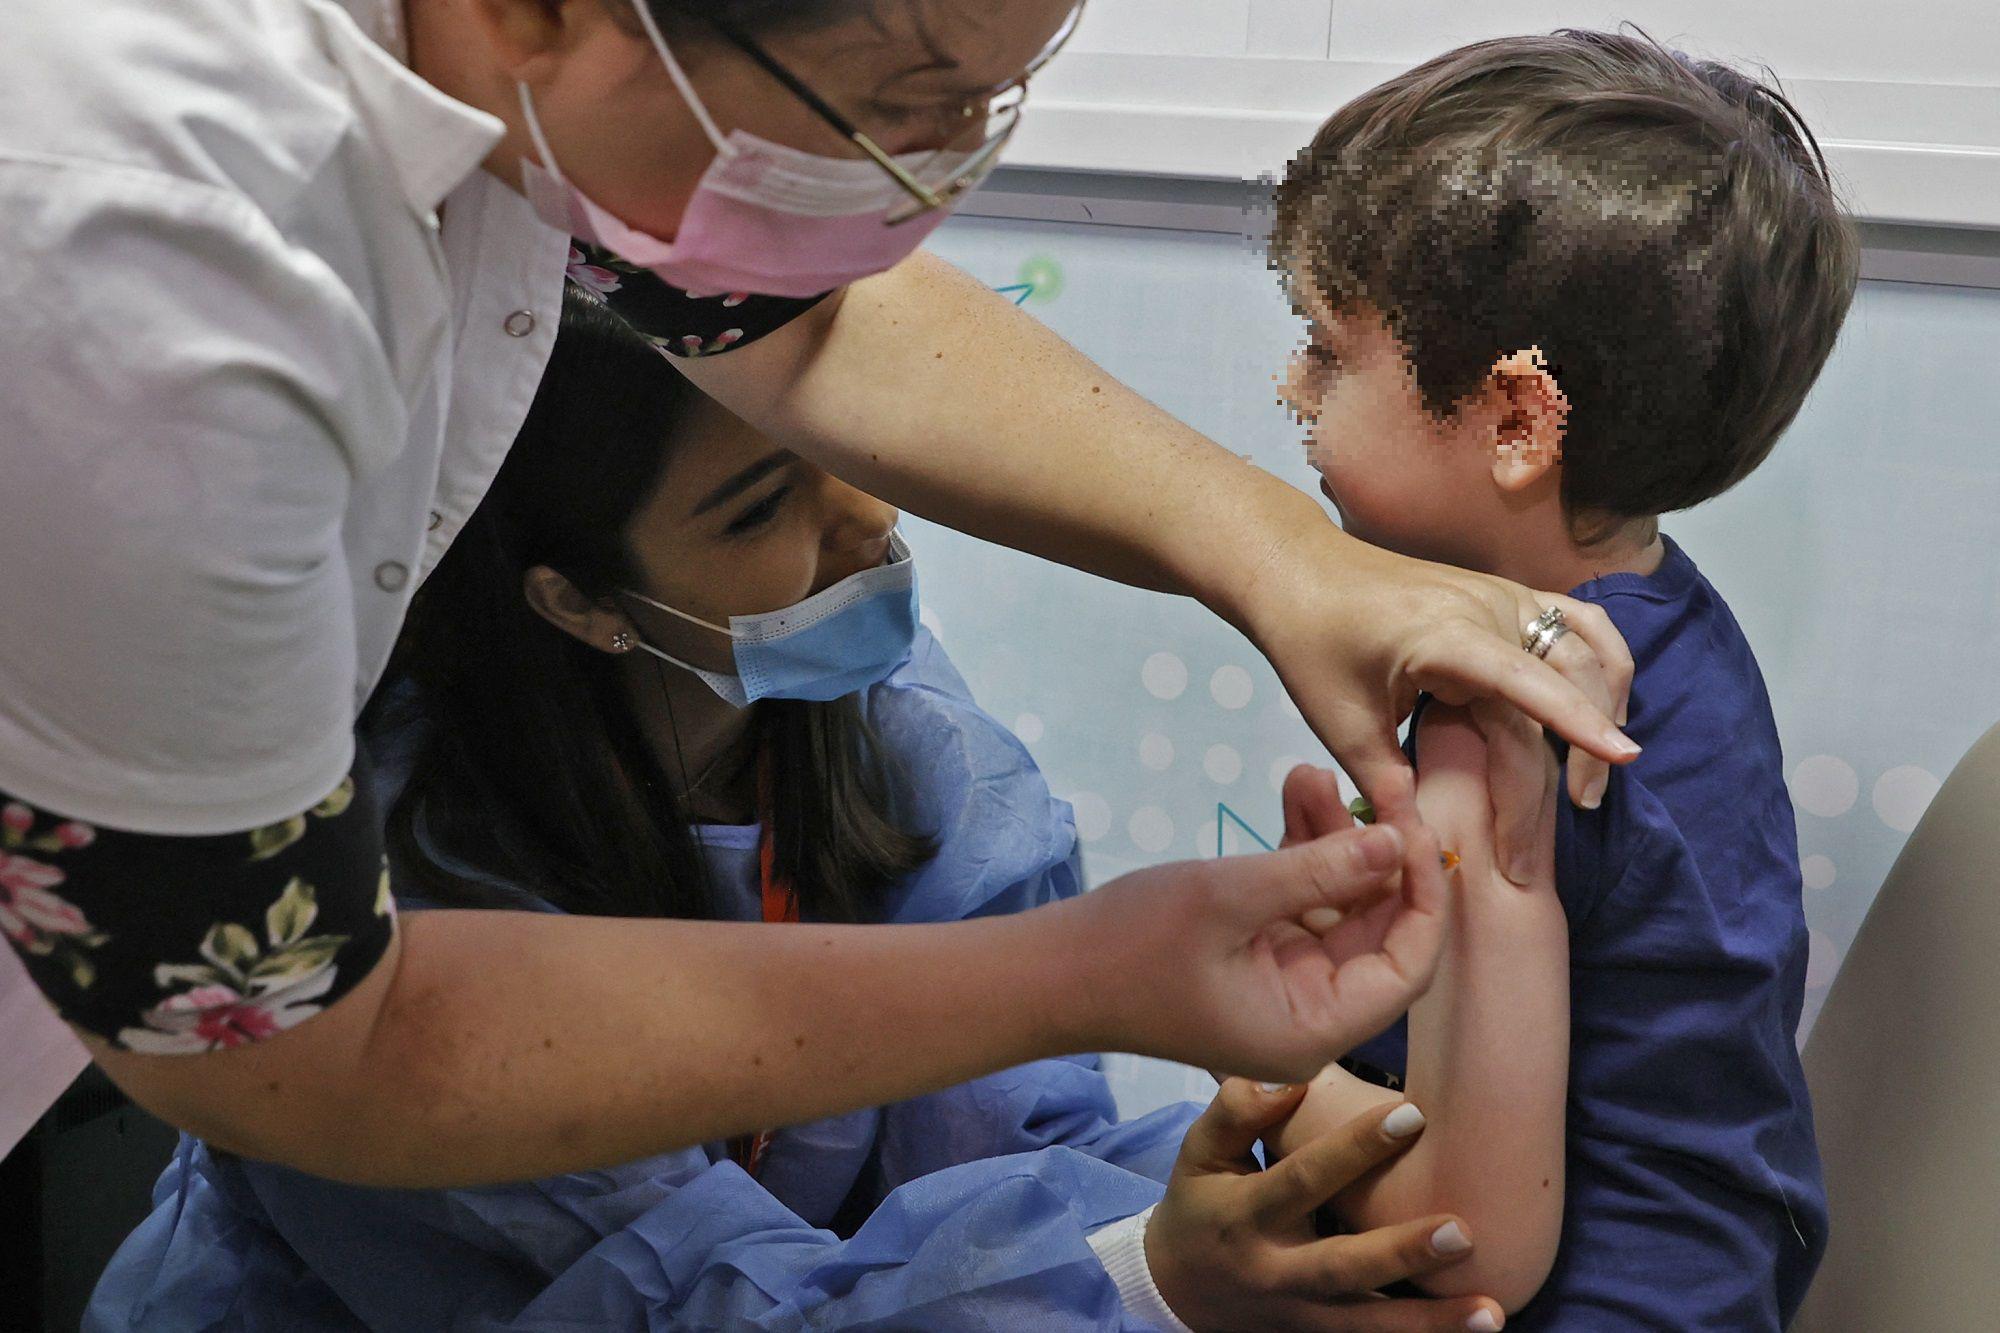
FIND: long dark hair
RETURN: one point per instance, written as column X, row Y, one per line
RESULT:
column 529, row 765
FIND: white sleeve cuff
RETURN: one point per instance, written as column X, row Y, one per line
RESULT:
column 1121, row 1248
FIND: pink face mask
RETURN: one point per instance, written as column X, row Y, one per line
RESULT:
column 764, row 218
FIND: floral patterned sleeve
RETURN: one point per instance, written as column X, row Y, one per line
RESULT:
column 681, row 323
column 174, row 945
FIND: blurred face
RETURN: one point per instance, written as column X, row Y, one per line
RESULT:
column 738, row 526
column 914, row 75
column 1400, row 477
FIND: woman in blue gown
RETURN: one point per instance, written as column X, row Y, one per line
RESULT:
column 651, row 679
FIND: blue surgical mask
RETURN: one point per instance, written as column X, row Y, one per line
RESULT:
column 841, row 639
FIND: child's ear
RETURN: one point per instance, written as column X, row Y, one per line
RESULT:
column 1531, row 416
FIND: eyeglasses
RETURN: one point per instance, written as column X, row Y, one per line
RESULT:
column 945, row 175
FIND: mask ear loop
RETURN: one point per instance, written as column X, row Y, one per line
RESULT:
column 537, row 137
column 692, row 620
column 682, row 84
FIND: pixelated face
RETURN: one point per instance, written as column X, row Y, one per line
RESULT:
column 1401, row 477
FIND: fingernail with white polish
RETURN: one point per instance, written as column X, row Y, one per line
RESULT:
column 1402, row 1122
column 1483, row 1322
column 1273, row 1088
column 1450, row 1239
column 1593, row 791
column 1320, row 920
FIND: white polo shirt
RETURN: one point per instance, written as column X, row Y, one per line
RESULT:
column 248, row 389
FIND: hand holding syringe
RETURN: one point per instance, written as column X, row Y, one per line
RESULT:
column 1364, row 813
column 1313, row 808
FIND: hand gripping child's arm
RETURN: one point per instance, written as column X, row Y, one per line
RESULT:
column 1488, row 1043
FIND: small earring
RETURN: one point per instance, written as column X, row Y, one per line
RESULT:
column 621, row 642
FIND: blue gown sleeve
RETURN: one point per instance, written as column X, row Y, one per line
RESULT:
column 1011, row 846
column 679, row 1243
column 999, row 1244
column 1049, row 1103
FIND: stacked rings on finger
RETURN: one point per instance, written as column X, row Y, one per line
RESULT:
column 1541, row 635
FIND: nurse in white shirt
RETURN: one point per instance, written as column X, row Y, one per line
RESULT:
column 278, row 282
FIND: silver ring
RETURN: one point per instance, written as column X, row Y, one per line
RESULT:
column 1541, row 635
column 621, row 642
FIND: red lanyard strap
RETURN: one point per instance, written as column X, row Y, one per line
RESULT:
column 781, row 900
column 780, row 904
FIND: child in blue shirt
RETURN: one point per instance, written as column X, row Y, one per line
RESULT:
column 1558, row 286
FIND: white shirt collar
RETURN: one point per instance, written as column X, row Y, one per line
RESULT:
column 432, row 141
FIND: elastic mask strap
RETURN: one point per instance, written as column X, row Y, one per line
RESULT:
column 690, row 667
column 681, row 82
column 727, row 687
column 692, row 620
column 536, row 137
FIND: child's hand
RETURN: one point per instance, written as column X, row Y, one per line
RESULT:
column 1233, row 1247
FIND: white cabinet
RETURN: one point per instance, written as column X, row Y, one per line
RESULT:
column 1207, row 27
column 1905, row 101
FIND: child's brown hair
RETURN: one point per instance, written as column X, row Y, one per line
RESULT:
column 1663, row 228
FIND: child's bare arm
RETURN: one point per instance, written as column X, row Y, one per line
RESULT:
column 1488, row 1051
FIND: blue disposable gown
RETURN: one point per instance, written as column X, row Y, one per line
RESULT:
column 973, row 1204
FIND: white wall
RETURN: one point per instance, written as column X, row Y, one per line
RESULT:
column 1926, row 41
column 1906, row 101
column 1206, row 27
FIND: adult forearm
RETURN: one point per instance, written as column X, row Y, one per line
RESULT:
column 928, row 389
column 515, row 1045
column 490, row 1046
column 675, row 1033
